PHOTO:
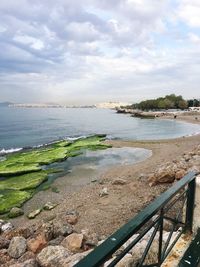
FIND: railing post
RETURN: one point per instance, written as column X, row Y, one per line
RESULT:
column 190, row 205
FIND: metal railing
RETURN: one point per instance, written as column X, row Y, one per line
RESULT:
column 174, row 206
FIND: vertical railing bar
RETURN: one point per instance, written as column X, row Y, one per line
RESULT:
column 190, row 205
column 160, row 238
column 172, row 245
column 148, row 245
column 168, row 241
column 174, row 225
column 132, row 244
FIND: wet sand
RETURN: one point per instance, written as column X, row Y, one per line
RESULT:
column 104, row 215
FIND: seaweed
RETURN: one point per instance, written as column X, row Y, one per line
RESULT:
column 25, row 170
column 13, row 198
column 24, row 182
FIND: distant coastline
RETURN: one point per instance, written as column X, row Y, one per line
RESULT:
column 104, row 105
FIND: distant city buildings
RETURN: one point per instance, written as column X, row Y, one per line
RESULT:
column 111, row 105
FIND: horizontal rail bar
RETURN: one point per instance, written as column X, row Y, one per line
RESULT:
column 116, row 240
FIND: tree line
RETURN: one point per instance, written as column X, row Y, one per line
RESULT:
column 168, row 102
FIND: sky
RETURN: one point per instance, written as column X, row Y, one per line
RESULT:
column 86, row 52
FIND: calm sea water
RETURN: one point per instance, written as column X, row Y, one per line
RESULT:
column 22, row 127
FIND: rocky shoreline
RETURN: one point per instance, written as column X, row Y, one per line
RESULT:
column 64, row 237
column 188, row 116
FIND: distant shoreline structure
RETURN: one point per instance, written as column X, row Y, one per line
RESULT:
column 108, row 105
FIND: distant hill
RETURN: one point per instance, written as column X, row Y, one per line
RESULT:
column 5, row 104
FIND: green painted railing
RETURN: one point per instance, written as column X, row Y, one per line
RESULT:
column 183, row 191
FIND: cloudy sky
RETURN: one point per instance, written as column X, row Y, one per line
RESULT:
column 98, row 50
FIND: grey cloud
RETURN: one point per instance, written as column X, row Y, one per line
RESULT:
column 91, row 47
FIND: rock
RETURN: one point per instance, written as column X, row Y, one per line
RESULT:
column 103, row 192
column 92, row 240
column 34, row 213
column 74, row 259
column 53, row 256
column 28, row 263
column 49, row 206
column 15, row 212
column 48, row 231
column 49, row 218
column 1, row 223
column 4, row 243
column 17, row 247
column 179, row 174
column 36, row 244
column 4, row 257
column 73, row 242
column 187, row 157
column 25, row 232
column 72, row 212
column 61, row 228
column 162, row 175
column 72, row 219
column 26, row 256
column 119, row 181
column 127, row 261
column 56, row 241
column 7, row 227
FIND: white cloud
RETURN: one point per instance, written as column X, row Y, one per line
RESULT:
column 189, row 12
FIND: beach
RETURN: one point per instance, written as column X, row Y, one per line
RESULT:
column 85, row 206
column 104, row 215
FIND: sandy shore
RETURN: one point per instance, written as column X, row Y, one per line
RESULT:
column 195, row 118
column 103, row 215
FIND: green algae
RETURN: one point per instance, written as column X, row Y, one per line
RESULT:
column 24, row 182
column 24, row 162
column 25, row 169
column 13, row 198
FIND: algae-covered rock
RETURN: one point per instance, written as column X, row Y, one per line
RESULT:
column 23, row 182
column 34, row 213
column 12, row 198
column 15, row 212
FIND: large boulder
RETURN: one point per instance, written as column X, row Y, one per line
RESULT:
column 53, row 256
column 73, row 242
column 163, row 175
column 17, row 247
column 36, row 244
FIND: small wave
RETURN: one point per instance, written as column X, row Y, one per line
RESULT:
column 193, row 134
column 10, row 150
column 76, row 138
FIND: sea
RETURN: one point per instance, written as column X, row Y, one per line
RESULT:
column 30, row 127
